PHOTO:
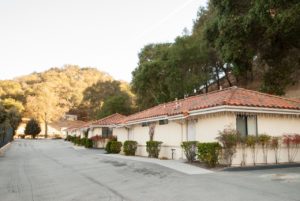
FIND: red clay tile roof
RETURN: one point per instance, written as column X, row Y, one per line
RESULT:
column 109, row 120
column 232, row 96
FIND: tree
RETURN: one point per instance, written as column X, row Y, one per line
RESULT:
column 9, row 103
column 44, row 105
column 149, row 78
column 32, row 128
column 263, row 32
column 10, row 119
column 105, row 98
column 14, row 118
column 120, row 103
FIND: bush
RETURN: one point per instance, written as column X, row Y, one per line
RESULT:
column 107, row 147
column 77, row 140
column 209, row 153
column 115, row 147
column 153, row 148
column 292, row 142
column 32, row 128
column 264, row 141
column 251, row 142
column 229, row 139
column 68, row 138
column 130, row 147
column 189, row 148
column 88, row 143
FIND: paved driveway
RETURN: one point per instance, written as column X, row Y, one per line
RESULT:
column 44, row 170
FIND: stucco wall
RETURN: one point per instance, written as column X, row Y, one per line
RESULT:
column 277, row 125
column 121, row 134
column 208, row 126
column 96, row 131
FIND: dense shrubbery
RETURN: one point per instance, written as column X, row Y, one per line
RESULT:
column 113, row 147
column 209, row 153
column 153, row 148
column 189, row 148
column 130, row 147
column 86, row 142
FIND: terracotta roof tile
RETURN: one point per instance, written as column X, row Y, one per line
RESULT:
column 233, row 96
column 112, row 119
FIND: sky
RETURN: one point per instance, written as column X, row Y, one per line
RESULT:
column 36, row 35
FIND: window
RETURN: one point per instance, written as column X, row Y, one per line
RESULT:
column 163, row 122
column 144, row 124
column 107, row 132
column 246, row 125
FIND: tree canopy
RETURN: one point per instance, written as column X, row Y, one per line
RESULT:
column 32, row 128
column 46, row 96
column 249, row 40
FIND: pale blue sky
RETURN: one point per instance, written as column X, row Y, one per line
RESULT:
column 108, row 34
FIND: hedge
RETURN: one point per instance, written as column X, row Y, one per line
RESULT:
column 130, row 147
column 153, row 148
column 209, row 153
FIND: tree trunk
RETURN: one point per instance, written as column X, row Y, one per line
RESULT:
column 46, row 126
column 46, row 129
column 226, row 75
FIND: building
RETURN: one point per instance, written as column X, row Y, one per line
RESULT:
column 202, row 117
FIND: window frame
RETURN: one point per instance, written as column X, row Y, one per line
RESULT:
column 245, row 119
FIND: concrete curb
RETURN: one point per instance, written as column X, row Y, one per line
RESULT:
column 4, row 148
column 261, row 167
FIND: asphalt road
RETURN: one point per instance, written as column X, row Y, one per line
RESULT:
column 44, row 170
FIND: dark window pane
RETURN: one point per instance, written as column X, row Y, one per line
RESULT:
column 241, row 125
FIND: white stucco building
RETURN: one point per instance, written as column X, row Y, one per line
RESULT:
column 202, row 117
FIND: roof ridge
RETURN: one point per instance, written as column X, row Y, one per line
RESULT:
column 182, row 99
column 108, row 117
column 206, row 94
column 228, row 98
column 146, row 109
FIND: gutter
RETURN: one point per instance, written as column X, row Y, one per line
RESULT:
column 223, row 108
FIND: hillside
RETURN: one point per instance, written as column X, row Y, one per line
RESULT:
column 50, row 94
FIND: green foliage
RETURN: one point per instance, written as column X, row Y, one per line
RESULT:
column 120, row 103
column 276, row 53
column 229, row 139
column 32, row 128
column 113, row 146
column 59, row 90
column 130, row 147
column 86, row 142
column 251, row 141
column 264, row 140
column 153, row 148
column 107, row 147
column 209, row 153
column 106, row 98
column 189, row 148
column 89, row 143
column 14, row 118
